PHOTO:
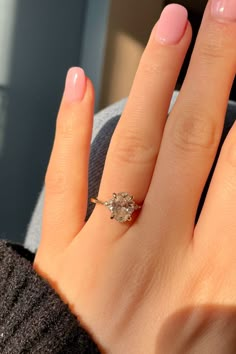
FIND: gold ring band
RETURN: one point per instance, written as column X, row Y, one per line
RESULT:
column 96, row 201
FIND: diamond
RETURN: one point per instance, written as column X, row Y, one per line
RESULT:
column 121, row 206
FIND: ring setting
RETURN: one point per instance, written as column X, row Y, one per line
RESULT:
column 121, row 206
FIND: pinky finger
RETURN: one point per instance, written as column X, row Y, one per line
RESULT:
column 66, row 181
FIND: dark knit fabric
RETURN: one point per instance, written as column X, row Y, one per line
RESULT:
column 33, row 318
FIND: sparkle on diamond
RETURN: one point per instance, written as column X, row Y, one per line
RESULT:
column 121, row 206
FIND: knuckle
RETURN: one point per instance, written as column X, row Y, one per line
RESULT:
column 151, row 67
column 213, row 46
column 131, row 148
column 55, row 182
column 154, row 62
column 65, row 125
column 229, row 151
column 194, row 132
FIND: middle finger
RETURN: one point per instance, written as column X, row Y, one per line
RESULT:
column 194, row 128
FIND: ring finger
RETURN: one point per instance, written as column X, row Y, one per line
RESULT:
column 135, row 144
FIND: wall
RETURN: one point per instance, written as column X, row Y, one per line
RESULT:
column 42, row 39
column 130, row 24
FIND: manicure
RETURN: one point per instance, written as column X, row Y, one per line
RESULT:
column 75, row 84
column 172, row 24
column 224, row 9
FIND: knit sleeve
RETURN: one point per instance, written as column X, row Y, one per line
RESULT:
column 33, row 318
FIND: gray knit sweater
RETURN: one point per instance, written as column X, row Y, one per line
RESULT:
column 33, row 318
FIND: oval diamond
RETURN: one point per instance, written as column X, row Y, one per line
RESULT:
column 121, row 206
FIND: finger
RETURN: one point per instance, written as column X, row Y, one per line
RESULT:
column 194, row 128
column 216, row 227
column 66, row 181
column 135, row 144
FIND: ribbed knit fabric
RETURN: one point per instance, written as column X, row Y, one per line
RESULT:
column 33, row 318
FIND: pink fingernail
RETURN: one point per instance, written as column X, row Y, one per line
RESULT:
column 224, row 9
column 75, row 84
column 172, row 24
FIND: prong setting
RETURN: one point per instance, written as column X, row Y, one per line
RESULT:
column 121, row 206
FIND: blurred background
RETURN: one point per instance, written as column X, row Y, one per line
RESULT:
column 39, row 41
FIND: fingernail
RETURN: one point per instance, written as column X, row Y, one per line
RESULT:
column 172, row 24
column 75, row 84
column 224, row 9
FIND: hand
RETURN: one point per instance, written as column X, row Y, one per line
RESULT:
column 159, row 284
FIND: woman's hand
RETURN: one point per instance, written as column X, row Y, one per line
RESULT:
column 159, row 284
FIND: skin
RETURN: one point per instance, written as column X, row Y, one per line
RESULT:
column 160, row 284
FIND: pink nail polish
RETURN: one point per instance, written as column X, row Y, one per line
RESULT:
column 224, row 9
column 172, row 24
column 75, row 84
